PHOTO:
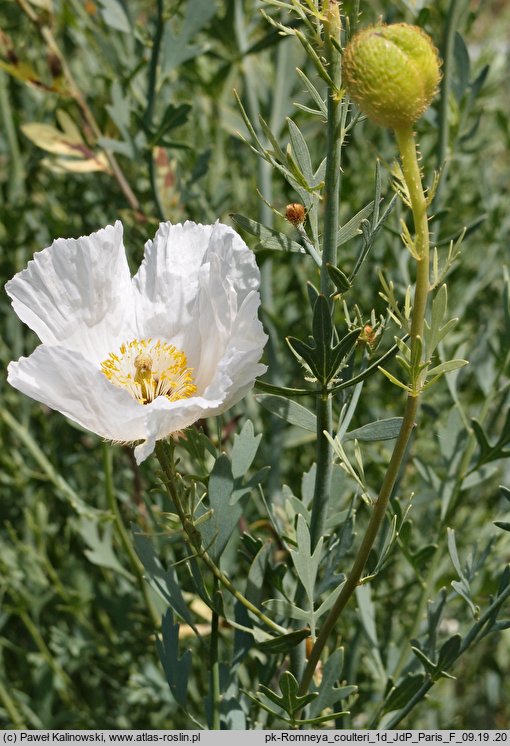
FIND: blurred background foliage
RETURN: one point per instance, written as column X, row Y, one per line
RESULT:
column 111, row 109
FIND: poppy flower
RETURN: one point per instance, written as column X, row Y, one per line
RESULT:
column 138, row 358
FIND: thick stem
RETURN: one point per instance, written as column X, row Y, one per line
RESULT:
column 15, row 183
column 324, row 451
column 324, row 469
column 331, row 218
column 376, row 519
column 412, row 176
column 333, row 167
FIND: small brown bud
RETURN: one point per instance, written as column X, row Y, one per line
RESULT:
column 12, row 57
column 55, row 65
column 295, row 213
column 368, row 335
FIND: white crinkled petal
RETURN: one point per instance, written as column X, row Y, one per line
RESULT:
column 238, row 367
column 217, row 308
column 237, row 259
column 175, row 274
column 166, row 283
column 164, row 417
column 78, row 294
column 67, row 382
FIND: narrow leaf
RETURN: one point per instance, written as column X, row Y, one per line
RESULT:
column 269, row 238
column 380, row 430
column 338, row 278
column 289, row 411
column 352, row 227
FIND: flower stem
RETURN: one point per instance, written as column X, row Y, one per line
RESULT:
column 164, row 453
column 123, row 535
column 411, row 170
column 412, row 175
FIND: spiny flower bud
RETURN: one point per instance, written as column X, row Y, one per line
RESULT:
column 295, row 213
column 391, row 73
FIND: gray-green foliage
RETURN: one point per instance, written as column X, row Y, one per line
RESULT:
column 76, row 638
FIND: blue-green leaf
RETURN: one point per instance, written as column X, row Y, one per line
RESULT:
column 379, row 430
column 268, row 237
column 289, row 411
column 245, row 447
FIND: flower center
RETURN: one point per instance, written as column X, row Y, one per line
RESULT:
column 148, row 369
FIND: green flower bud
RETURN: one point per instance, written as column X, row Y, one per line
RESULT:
column 391, row 73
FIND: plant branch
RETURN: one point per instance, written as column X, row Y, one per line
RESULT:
column 411, row 170
column 324, row 458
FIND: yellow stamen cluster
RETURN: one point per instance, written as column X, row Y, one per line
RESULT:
column 148, row 369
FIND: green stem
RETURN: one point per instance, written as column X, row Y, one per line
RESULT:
column 170, row 479
column 324, row 469
column 322, row 486
column 412, row 175
column 411, row 170
column 376, row 519
column 331, row 194
column 45, row 464
column 124, row 536
column 333, row 163
column 215, row 668
column 153, row 64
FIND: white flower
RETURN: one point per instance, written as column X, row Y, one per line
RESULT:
column 139, row 358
